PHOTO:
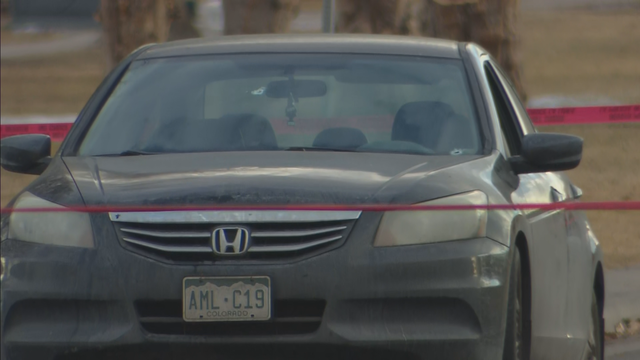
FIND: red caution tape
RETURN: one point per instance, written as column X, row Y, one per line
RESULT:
column 585, row 115
column 603, row 205
column 540, row 117
column 57, row 132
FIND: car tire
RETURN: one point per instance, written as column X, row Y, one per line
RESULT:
column 514, row 346
column 595, row 349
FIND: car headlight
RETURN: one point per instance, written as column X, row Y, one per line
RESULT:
column 63, row 228
column 399, row 228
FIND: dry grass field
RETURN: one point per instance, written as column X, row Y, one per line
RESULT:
column 8, row 37
column 582, row 53
column 588, row 55
column 577, row 54
column 55, row 84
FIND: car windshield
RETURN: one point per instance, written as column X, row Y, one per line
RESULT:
column 288, row 102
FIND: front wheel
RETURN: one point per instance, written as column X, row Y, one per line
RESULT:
column 594, row 345
column 514, row 346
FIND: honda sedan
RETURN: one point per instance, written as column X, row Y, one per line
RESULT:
column 268, row 197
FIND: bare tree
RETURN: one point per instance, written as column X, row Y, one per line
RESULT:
column 259, row 16
column 397, row 17
column 183, row 26
column 490, row 23
column 129, row 24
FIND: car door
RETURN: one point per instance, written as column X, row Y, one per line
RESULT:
column 548, row 249
column 579, row 265
column 579, row 261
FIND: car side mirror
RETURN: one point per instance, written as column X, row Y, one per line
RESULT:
column 25, row 154
column 542, row 152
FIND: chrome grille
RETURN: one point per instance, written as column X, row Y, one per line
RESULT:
column 275, row 235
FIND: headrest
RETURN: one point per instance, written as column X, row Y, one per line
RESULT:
column 254, row 131
column 420, row 122
column 231, row 132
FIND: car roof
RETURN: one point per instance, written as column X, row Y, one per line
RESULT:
column 307, row 43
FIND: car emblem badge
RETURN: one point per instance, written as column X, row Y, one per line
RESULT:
column 230, row 240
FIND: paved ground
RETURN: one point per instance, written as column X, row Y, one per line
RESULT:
column 559, row 4
column 622, row 298
column 69, row 42
column 554, row 101
column 625, row 349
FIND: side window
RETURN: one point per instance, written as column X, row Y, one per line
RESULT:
column 510, row 127
column 520, row 109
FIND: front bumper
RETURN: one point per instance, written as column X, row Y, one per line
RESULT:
column 444, row 300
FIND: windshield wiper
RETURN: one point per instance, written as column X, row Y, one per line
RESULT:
column 313, row 148
column 131, row 152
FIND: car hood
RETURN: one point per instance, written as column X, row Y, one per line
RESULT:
column 263, row 178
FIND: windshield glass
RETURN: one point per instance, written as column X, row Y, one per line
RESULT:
column 298, row 102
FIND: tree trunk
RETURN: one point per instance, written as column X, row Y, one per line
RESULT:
column 183, row 26
column 397, row 17
column 490, row 23
column 129, row 24
column 259, row 16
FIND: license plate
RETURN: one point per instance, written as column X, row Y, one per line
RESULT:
column 226, row 298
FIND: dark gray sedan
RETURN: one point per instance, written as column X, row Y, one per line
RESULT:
column 208, row 166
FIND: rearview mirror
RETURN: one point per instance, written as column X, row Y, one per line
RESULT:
column 299, row 88
column 25, row 154
column 548, row 152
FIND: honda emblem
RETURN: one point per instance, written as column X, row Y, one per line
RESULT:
column 230, row 240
